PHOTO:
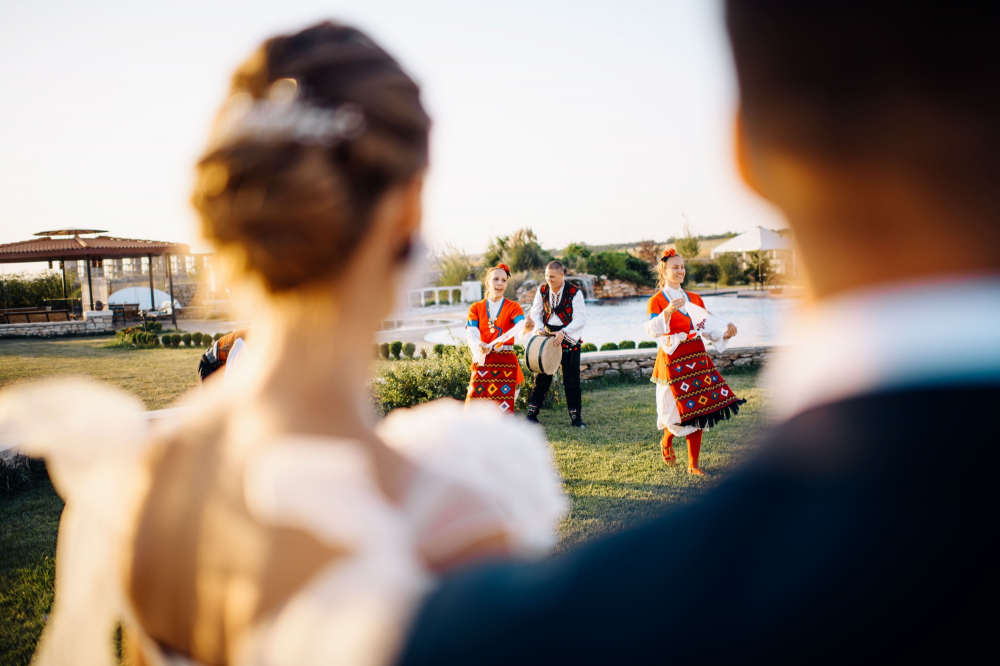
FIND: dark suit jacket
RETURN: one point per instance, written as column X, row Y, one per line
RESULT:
column 857, row 532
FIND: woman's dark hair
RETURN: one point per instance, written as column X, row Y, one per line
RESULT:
column 292, row 212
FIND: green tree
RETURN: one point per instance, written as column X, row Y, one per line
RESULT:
column 728, row 267
column 621, row 266
column 521, row 251
column 455, row 266
column 687, row 245
column 758, row 269
column 575, row 257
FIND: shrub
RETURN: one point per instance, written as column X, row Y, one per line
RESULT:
column 620, row 266
column 18, row 472
column 156, row 340
column 175, row 340
column 609, row 346
column 647, row 344
column 396, row 347
column 207, row 340
column 406, row 384
column 444, row 375
column 626, row 344
column 25, row 290
column 217, row 336
column 166, row 339
column 196, row 339
column 438, row 349
column 588, row 347
column 383, row 350
column 186, row 339
column 728, row 267
column 423, row 352
column 135, row 336
column 455, row 266
column 409, row 349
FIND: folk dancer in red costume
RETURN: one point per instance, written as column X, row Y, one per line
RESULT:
column 493, row 326
column 691, row 395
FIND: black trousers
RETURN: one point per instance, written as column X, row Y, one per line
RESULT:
column 571, row 382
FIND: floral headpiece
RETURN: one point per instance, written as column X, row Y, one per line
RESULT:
column 668, row 253
column 504, row 267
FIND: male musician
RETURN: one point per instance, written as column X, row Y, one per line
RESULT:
column 558, row 309
column 219, row 353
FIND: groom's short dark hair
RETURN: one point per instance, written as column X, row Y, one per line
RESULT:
column 915, row 83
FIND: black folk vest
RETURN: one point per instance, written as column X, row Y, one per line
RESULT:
column 563, row 310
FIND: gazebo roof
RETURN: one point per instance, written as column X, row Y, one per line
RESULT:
column 101, row 247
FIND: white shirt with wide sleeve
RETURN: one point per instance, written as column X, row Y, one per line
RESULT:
column 574, row 330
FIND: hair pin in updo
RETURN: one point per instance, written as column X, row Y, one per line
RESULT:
column 282, row 115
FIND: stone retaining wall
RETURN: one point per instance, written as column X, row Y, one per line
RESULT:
column 620, row 289
column 95, row 326
column 640, row 361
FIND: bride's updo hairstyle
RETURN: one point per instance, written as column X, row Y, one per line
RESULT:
column 289, row 199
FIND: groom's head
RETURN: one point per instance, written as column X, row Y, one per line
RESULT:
column 875, row 127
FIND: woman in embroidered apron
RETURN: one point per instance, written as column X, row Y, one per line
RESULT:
column 691, row 395
column 493, row 325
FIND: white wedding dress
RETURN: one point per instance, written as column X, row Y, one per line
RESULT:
column 477, row 470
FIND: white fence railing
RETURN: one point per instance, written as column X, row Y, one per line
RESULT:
column 468, row 292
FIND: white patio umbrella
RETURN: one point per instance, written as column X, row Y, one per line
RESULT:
column 755, row 240
column 140, row 295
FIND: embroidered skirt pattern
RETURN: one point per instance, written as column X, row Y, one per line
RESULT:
column 497, row 379
column 702, row 395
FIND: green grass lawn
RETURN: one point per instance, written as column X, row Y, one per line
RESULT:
column 158, row 375
column 612, row 469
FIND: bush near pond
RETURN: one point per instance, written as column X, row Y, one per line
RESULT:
column 444, row 375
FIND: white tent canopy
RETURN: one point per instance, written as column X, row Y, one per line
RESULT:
column 140, row 295
column 756, row 239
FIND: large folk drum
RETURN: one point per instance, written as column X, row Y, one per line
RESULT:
column 543, row 354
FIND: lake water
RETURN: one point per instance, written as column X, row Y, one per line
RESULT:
column 760, row 321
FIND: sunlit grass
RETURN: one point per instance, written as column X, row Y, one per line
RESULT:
column 612, row 470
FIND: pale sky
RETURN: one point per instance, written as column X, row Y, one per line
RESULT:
column 589, row 121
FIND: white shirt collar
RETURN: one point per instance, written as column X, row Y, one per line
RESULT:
column 912, row 334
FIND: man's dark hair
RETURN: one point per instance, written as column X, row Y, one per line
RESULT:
column 556, row 266
column 911, row 83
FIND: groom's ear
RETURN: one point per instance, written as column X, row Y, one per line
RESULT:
column 746, row 160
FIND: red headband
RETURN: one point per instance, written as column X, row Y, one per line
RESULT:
column 504, row 267
column 669, row 253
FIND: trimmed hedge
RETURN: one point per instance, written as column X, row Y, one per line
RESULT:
column 588, row 347
column 626, row 344
column 609, row 346
column 647, row 344
column 396, row 348
column 409, row 349
column 383, row 350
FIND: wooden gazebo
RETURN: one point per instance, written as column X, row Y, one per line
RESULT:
column 74, row 244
